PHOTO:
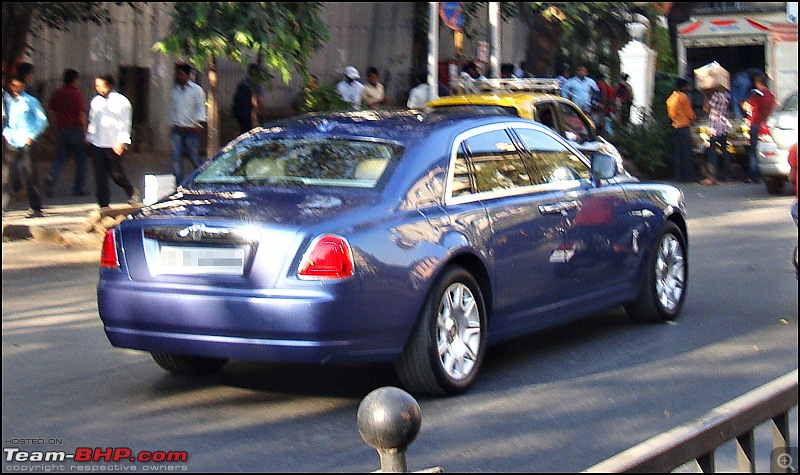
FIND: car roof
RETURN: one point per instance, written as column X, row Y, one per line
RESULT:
column 405, row 127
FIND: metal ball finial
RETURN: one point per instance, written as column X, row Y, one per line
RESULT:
column 389, row 419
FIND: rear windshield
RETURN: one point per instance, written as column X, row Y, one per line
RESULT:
column 474, row 109
column 303, row 162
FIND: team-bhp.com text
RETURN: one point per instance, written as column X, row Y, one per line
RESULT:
column 87, row 455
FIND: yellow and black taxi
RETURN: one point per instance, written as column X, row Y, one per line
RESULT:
column 538, row 99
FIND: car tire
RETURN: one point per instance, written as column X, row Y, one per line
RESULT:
column 446, row 349
column 774, row 185
column 665, row 280
column 188, row 365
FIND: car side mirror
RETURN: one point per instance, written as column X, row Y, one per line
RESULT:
column 604, row 167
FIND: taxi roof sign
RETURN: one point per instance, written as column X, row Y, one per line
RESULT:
column 466, row 86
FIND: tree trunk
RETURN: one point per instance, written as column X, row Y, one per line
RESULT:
column 213, row 111
column 678, row 13
column 17, row 18
column 544, row 37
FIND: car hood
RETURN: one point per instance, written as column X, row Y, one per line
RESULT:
column 296, row 207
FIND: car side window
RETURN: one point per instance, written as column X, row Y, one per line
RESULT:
column 550, row 160
column 576, row 128
column 462, row 175
column 545, row 115
column 497, row 163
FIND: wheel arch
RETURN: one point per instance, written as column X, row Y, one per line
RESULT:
column 680, row 221
column 476, row 267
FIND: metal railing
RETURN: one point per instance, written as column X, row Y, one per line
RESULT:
column 698, row 440
column 389, row 419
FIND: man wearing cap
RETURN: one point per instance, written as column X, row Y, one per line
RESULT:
column 350, row 88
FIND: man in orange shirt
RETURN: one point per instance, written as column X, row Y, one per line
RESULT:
column 679, row 109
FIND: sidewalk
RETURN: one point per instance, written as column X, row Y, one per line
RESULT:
column 78, row 220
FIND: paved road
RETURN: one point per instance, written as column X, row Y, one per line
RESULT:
column 558, row 401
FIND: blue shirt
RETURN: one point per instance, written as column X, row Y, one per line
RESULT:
column 25, row 119
column 580, row 91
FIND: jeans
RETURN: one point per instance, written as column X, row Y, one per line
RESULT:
column 752, row 168
column 70, row 142
column 108, row 164
column 184, row 143
column 21, row 160
column 684, row 168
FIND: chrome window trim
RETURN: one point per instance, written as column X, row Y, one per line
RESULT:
column 449, row 199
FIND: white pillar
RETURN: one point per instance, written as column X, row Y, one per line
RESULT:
column 639, row 62
column 494, row 22
column 433, row 49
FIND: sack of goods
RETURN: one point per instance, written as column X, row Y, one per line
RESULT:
column 711, row 76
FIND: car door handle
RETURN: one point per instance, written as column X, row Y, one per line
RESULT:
column 562, row 207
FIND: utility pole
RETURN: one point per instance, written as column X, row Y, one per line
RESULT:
column 494, row 52
column 433, row 49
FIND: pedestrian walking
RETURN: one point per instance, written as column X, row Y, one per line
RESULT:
column 350, row 88
column 25, row 122
column 741, row 87
column 109, row 135
column 580, row 89
column 248, row 100
column 624, row 100
column 759, row 106
column 68, row 108
column 25, row 72
column 604, row 108
column 719, row 127
column 420, row 94
column 679, row 109
column 563, row 77
column 188, row 113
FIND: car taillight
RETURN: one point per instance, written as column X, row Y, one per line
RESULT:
column 328, row 257
column 108, row 254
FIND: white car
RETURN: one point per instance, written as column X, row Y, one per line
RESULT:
column 774, row 142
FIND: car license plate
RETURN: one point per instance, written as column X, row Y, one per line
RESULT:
column 200, row 260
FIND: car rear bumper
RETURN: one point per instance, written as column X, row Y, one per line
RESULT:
column 308, row 327
column 773, row 160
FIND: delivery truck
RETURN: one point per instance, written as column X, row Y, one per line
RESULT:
column 737, row 44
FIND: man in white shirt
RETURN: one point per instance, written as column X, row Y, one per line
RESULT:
column 188, row 113
column 350, row 88
column 109, row 135
column 421, row 93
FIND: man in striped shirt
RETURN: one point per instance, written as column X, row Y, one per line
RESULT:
column 719, row 127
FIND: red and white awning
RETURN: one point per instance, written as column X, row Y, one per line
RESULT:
column 737, row 26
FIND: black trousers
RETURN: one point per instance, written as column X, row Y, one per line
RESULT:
column 108, row 164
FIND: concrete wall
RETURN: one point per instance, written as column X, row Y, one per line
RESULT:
column 362, row 34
